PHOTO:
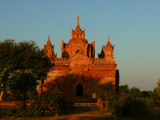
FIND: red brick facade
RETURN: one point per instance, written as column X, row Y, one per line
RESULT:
column 78, row 57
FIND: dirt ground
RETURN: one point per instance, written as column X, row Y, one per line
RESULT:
column 152, row 114
column 90, row 115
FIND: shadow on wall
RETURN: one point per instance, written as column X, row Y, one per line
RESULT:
column 73, row 86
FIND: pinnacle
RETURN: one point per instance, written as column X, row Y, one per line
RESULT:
column 108, row 39
column 48, row 37
column 78, row 24
column 48, row 42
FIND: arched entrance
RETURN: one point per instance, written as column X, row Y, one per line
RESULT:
column 79, row 90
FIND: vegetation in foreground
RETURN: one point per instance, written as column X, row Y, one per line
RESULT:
column 129, row 104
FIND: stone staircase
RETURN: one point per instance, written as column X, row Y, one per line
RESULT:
column 81, row 99
column 86, row 106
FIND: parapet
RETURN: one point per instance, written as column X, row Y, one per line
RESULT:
column 103, row 61
column 61, row 61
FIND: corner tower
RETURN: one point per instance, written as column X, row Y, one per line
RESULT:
column 49, row 49
column 108, row 52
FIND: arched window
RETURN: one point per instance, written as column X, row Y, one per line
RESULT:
column 65, row 54
column 79, row 90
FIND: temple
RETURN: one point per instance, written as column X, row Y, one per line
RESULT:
column 78, row 57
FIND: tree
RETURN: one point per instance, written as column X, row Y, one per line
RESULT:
column 146, row 94
column 158, row 87
column 106, row 91
column 123, row 89
column 6, row 63
column 155, row 95
column 134, row 92
column 23, row 64
column 23, row 82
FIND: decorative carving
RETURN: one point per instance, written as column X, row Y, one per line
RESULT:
column 78, row 57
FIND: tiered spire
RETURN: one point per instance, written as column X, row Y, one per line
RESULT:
column 78, row 33
column 78, row 25
column 108, row 39
column 108, row 51
column 109, row 43
column 48, row 37
column 49, row 49
column 49, row 42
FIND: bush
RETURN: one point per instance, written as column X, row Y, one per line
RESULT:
column 47, row 104
column 130, row 107
column 10, row 111
column 112, row 103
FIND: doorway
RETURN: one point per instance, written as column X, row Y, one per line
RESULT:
column 79, row 90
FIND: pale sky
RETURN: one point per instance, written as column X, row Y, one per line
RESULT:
column 132, row 25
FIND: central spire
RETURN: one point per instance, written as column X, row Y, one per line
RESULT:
column 78, row 33
column 78, row 24
column 49, row 42
column 108, row 39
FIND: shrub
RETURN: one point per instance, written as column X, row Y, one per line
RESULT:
column 112, row 103
column 130, row 107
column 10, row 111
column 47, row 104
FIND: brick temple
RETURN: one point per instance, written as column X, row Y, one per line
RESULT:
column 78, row 57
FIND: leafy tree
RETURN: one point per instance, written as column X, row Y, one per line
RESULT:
column 134, row 92
column 127, row 106
column 155, row 95
column 23, row 64
column 146, row 94
column 124, row 89
column 106, row 91
column 6, row 63
column 158, row 87
column 23, row 82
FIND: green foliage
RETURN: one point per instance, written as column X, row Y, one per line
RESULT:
column 135, row 92
column 123, row 89
column 5, row 62
column 158, row 87
column 23, row 82
column 146, row 94
column 32, row 94
column 150, row 102
column 106, row 91
column 129, row 102
column 112, row 103
column 21, row 65
column 123, row 92
column 10, row 111
column 130, row 107
column 155, row 95
column 48, row 104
